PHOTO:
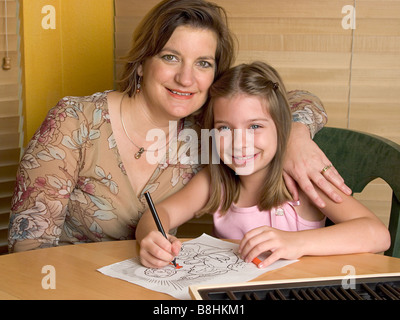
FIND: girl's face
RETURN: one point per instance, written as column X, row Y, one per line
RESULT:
column 176, row 81
column 248, row 136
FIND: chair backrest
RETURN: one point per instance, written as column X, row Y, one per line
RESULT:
column 362, row 157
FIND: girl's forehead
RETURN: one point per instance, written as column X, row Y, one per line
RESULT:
column 251, row 103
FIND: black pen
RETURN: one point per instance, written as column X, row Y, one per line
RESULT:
column 156, row 218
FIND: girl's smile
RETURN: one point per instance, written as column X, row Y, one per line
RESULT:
column 244, row 161
column 248, row 136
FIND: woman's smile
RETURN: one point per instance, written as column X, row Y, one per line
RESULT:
column 184, row 95
column 175, row 81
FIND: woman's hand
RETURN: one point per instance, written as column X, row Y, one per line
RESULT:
column 303, row 164
column 156, row 251
column 281, row 244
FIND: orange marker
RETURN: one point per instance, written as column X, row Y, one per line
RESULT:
column 261, row 258
column 256, row 261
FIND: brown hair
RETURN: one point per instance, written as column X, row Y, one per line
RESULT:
column 255, row 79
column 157, row 26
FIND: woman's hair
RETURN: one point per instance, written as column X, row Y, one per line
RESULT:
column 260, row 80
column 154, row 31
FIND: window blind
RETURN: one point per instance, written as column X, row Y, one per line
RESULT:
column 10, row 115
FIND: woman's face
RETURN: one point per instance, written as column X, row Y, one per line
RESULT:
column 175, row 82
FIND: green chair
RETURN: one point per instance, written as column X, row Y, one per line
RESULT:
column 360, row 158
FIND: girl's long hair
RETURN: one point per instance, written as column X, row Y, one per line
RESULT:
column 261, row 80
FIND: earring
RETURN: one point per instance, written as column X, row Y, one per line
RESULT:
column 138, row 86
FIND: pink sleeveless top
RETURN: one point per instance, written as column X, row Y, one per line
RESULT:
column 236, row 222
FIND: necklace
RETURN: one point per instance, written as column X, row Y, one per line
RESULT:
column 141, row 149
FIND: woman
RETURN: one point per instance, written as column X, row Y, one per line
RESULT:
column 84, row 173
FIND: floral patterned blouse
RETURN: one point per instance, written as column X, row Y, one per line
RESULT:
column 71, row 184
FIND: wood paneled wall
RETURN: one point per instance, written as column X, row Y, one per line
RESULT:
column 375, row 85
column 355, row 71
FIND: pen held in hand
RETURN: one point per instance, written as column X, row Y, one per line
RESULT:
column 156, row 218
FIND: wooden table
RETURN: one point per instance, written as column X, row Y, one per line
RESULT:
column 76, row 275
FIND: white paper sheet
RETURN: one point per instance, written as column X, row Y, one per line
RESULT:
column 204, row 260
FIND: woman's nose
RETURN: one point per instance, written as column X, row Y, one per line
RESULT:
column 185, row 76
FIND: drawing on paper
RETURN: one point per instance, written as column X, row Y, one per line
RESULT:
column 198, row 261
column 204, row 260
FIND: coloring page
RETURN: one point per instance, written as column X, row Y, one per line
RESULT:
column 204, row 260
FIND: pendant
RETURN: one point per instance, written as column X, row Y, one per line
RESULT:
column 139, row 153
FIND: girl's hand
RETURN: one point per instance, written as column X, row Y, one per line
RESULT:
column 303, row 164
column 156, row 251
column 281, row 244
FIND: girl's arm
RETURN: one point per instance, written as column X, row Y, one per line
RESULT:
column 155, row 250
column 356, row 230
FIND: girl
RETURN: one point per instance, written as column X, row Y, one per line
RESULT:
column 247, row 193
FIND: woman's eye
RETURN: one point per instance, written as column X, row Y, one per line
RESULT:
column 205, row 64
column 255, row 126
column 169, row 57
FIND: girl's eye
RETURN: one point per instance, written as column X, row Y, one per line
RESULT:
column 255, row 126
column 223, row 128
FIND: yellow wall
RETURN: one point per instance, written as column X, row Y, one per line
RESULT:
column 75, row 58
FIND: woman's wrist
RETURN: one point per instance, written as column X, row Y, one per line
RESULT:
column 300, row 131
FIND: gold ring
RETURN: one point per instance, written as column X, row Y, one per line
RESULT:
column 326, row 168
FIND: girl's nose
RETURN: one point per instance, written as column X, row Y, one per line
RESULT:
column 243, row 141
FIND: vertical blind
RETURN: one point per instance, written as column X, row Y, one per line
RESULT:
column 10, row 114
